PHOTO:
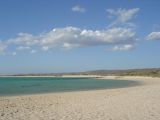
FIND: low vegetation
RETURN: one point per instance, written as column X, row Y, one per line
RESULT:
column 154, row 72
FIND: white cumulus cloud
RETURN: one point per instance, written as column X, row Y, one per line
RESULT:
column 153, row 36
column 25, row 39
column 72, row 37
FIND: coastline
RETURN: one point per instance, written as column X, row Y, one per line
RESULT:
column 67, row 76
column 131, row 103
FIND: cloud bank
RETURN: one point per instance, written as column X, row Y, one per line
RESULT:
column 71, row 37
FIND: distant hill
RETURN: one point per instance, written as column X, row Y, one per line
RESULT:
column 153, row 72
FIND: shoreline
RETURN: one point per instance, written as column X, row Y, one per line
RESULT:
column 142, row 80
column 131, row 103
column 65, row 76
column 101, row 76
column 139, row 79
column 71, row 91
column 113, row 77
column 80, row 90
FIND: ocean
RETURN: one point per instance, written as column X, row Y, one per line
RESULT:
column 34, row 85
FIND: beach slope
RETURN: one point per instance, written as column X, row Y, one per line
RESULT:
column 131, row 103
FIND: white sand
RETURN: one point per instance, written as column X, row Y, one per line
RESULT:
column 132, row 103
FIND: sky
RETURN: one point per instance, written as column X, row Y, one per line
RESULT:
column 51, row 36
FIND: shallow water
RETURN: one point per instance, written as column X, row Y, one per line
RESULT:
column 33, row 85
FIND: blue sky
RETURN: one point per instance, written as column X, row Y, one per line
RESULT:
column 46, row 36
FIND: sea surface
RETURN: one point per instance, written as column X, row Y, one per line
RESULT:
column 32, row 85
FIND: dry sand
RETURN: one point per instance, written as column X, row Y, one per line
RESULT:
column 132, row 103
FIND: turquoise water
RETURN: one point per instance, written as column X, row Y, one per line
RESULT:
column 33, row 85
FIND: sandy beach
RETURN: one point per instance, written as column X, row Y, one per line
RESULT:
column 131, row 103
